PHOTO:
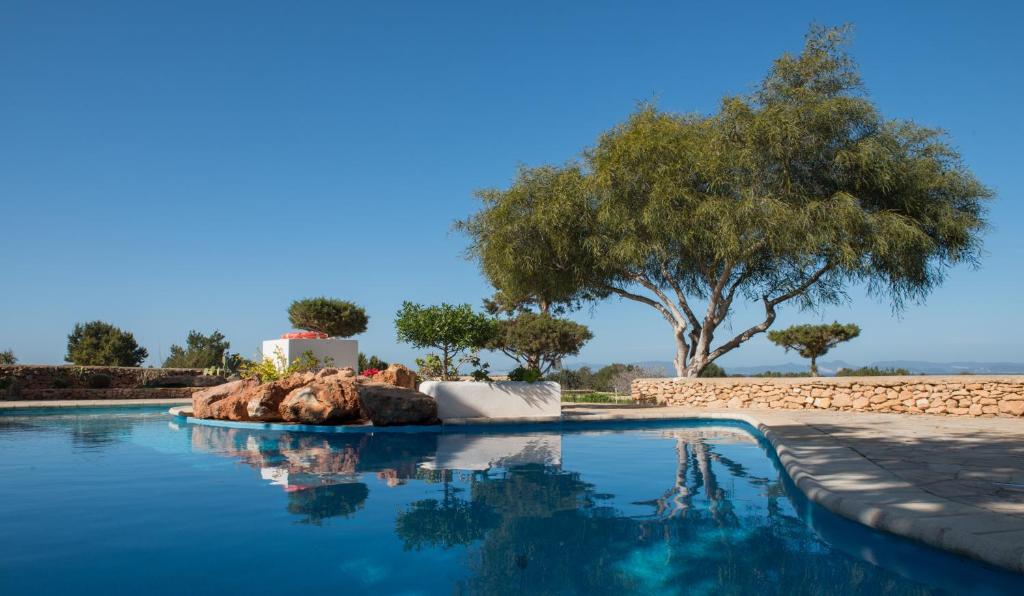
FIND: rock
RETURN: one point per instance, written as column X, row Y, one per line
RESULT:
column 203, row 401
column 397, row 375
column 304, row 407
column 330, row 396
column 388, row 405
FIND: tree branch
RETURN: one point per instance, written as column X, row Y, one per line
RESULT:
column 645, row 300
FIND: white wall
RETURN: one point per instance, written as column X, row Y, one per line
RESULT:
column 506, row 399
column 345, row 352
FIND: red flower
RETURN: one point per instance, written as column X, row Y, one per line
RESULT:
column 369, row 372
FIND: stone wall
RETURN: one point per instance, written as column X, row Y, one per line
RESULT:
column 119, row 393
column 965, row 395
column 41, row 376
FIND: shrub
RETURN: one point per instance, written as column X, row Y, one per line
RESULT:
column 371, row 362
column 713, row 370
column 99, row 381
column 60, row 383
column 524, row 374
column 7, row 357
column 774, row 374
column 267, row 369
column 336, row 318
column 200, row 351
column 101, row 344
column 570, row 379
column 872, row 371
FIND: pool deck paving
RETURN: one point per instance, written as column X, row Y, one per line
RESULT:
column 955, row 483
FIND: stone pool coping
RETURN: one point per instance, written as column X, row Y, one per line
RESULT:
column 877, row 469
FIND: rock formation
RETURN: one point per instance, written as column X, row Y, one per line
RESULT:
column 329, row 396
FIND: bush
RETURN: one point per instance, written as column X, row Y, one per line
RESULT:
column 774, row 374
column 101, row 344
column 99, row 381
column 7, row 357
column 713, row 370
column 201, row 351
column 336, row 318
column 571, row 379
column 268, row 370
column 528, row 375
column 371, row 362
column 871, row 371
column 60, row 383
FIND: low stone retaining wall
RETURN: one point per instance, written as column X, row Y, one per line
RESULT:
column 118, row 393
column 31, row 377
column 966, row 395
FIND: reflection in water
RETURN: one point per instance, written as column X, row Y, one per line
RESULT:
column 716, row 525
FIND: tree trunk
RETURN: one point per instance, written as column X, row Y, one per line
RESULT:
column 814, row 366
column 682, row 350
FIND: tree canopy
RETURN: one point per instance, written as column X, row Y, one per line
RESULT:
column 455, row 330
column 787, row 195
column 813, row 341
column 336, row 318
column 200, row 351
column 8, row 357
column 101, row 344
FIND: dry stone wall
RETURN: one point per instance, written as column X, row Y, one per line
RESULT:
column 965, row 395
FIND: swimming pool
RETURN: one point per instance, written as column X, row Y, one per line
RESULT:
column 134, row 500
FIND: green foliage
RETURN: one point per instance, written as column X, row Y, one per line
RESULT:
column 336, row 318
column 571, row 379
column 201, row 351
column 786, row 195
column 872, row 371
column 99, row 381
column 60, row 383
column 7, row 357
column 524, row 374
column 101, row 344
column 455, row 330
column 592, row 397
column 268, row 370
column 774, row 374
column 610, row 378
column 813, row 341
column 538, row 341
column 713, row 370
column 230, row 365
column 371, row 362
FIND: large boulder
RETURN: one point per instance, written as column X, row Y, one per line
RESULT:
column 330, row 400
column 388, row 405
column 397, row 375
column 203, row 401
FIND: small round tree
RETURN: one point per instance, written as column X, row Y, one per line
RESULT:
column 7, row 357
column 812, row 341
column 455, row 330
column 101, row 344
column 538, row 341
column 336, row 318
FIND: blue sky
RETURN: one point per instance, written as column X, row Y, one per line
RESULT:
column 170, row 166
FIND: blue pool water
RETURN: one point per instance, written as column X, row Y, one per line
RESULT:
column 134, row 501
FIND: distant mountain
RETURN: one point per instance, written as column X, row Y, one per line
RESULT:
column 830, row 367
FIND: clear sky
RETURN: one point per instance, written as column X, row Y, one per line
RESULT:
column 179, row 165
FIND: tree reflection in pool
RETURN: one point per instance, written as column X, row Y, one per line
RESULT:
column 681, row 507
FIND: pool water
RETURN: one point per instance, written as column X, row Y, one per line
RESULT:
column 136, row 501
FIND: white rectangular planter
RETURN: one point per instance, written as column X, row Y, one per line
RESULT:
column 505, row 399
column 342, row 352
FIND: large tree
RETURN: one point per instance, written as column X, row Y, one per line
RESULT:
column 787, row 195
column 200, row 351
column 539, row 341
column 813, row 341
column 101, row 344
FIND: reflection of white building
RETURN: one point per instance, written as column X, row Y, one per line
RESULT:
column 480, row 452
